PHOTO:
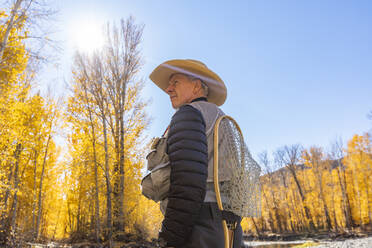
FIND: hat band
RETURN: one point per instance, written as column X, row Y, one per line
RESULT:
column 203, row 78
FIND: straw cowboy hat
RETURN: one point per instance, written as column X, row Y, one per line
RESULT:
column 216, row 87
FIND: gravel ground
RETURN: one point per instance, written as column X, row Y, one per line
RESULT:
column 350, row 243
column 271, row 244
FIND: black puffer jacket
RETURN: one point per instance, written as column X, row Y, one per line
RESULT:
column 188, row 155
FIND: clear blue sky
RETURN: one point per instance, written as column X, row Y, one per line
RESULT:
column 296, row 71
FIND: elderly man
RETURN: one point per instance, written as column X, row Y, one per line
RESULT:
column 192, row 218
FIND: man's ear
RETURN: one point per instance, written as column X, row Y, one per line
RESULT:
column 197, row 86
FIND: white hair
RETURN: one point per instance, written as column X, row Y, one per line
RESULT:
column 203, row 85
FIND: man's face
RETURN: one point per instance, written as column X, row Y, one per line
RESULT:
column 181, row 90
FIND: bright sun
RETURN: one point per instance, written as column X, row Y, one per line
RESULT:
column 86, row 35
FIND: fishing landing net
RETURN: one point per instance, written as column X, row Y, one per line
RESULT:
column 239, row 173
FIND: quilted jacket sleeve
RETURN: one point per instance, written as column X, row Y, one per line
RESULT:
column 188, row 155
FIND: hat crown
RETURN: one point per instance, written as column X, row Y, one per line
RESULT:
column 197, row 62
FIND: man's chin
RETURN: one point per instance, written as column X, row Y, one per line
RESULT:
column 175, row 105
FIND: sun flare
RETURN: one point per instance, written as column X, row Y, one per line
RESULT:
column 87, row 35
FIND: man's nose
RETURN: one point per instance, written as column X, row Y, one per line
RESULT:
column 169, row 89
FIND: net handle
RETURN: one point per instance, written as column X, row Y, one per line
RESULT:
column 228, row 244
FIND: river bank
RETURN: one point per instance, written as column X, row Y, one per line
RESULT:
column 318, row 236
column 349, row 243
column 318, row 240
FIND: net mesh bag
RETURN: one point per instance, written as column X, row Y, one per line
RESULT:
column 238, row 172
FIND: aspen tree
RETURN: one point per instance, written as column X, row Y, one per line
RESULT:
column 358, row 159
column 337, row 154
column 314, row 158
column 105, row 92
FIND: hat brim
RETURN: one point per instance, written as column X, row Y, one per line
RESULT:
column 217, row 91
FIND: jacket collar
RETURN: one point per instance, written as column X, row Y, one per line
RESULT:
column 200, row 99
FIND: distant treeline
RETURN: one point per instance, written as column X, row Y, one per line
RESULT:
column 307, row 190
